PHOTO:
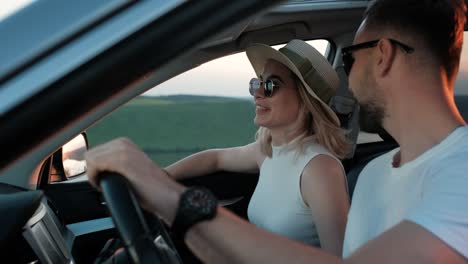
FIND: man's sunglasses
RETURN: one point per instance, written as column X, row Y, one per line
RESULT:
column 347, row 53
column 268, row 87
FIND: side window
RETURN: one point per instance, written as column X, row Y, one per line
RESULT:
column 206, row 107
column 8, row 8
column 365, row 137
column 461, row 85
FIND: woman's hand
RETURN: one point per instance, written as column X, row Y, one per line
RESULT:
column 156, row 191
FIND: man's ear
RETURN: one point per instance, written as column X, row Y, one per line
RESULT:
column 385, row 57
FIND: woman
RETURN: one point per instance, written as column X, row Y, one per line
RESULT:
column 302, row 190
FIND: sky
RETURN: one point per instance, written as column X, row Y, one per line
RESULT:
column 226, row 76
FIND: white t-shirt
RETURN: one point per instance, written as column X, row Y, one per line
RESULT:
column 277, row 204
column 431, row 191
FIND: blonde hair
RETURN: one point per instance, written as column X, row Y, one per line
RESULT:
column 318, row 126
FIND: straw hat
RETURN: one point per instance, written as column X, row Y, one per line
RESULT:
column 315, row 72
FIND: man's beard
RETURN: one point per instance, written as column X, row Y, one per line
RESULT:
column 372, row 112
column 371, row 118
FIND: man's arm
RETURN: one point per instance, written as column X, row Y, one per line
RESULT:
column 407, row 242
column 229, row 239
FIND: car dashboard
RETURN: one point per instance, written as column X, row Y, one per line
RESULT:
column 50, row 240
column 32, row 230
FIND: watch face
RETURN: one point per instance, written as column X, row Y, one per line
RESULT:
column 201, row 199
column 196, row 204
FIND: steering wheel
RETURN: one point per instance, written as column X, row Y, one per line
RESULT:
column 131, row 224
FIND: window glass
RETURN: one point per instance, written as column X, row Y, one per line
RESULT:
column 461, row 87
column 9, row 7
column 365, row 137
column 206, row 107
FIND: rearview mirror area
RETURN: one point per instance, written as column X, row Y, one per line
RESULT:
column 73, row 160
column 68, row 161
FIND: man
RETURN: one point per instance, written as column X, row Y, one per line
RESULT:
column 410, row 205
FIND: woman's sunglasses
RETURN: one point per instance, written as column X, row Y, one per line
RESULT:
column 347, row 53
column 268, row 87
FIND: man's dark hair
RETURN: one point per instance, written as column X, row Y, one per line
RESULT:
column 438, row 23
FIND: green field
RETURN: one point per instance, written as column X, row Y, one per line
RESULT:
column 171, row 127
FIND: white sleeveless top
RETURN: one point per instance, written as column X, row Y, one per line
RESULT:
column 277, row 204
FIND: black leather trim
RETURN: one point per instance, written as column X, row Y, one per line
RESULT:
column 15, row 210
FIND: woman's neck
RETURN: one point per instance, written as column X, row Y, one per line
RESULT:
column 283, row 137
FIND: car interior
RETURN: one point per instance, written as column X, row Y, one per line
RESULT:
column 84, row 63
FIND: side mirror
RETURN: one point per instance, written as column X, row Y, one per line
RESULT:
column 72, row 158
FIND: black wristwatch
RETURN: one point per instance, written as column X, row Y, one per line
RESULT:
column 196, row 204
